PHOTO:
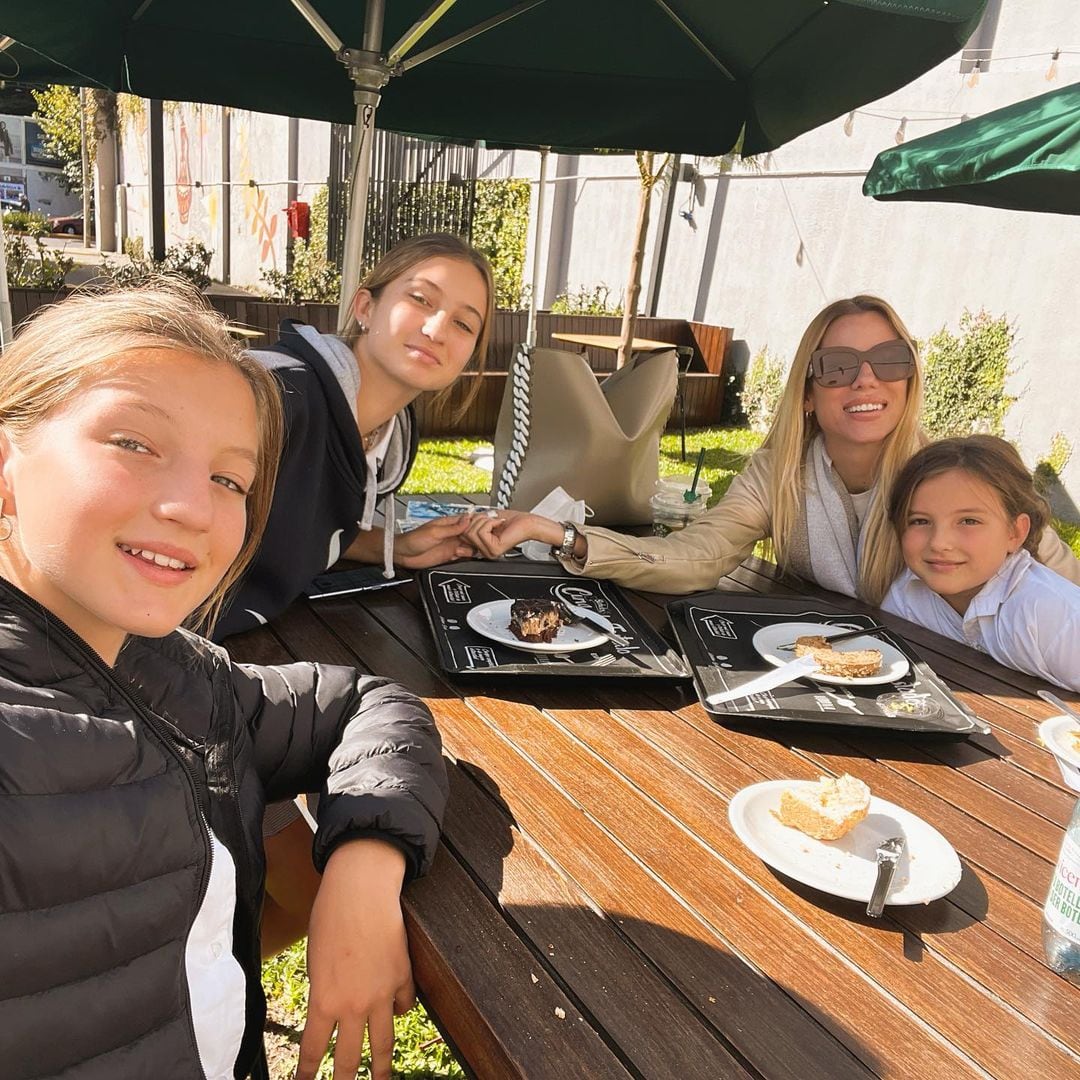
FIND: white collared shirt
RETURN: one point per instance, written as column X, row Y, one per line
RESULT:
column 1026, row 617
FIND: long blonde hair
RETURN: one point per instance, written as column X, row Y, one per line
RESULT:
column 64, row 346
column 793, row 429
column 399, row 260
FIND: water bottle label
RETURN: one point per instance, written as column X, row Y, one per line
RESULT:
column 1063, row 904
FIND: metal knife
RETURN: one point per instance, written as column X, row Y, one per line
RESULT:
column 785, row 673
column 847, row 635
column 888, row 855
column 595, row 619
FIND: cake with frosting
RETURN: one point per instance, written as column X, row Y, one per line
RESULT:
column 537, row 621
column 827, row 809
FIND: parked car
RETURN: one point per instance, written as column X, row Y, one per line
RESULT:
column 70, row 225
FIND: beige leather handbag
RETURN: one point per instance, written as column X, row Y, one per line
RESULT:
column 600, row 441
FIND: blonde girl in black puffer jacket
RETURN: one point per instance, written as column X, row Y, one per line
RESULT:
column 137, row 453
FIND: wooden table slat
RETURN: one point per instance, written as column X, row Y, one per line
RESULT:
column 592, row 913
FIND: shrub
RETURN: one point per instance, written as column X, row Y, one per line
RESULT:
column 34, row 266
column 26, row 221
column 762, row 387
column 189, row 259
column 500, row 229
column 1047, row 475
column 965, row 377
column 586, row 301
column 312, row 276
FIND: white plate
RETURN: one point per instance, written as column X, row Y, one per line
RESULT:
column 894, row 664
column 929, row 867
column 492, row 620
column 1057, row 735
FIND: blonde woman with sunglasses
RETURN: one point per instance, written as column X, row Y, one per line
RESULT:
column 847, row 423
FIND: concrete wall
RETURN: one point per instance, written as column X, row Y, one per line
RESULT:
column 776, row 239
column 195, row 195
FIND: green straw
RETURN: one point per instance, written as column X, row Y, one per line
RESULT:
column 692, row 495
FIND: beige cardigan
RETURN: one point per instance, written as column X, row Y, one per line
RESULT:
column 698, row 556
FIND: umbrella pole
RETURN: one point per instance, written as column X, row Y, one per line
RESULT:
column 352, row 259
column 538, row 233
column 369, row 75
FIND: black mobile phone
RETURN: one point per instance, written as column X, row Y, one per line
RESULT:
column 342, row 582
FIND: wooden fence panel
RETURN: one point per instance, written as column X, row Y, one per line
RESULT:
column 703, row 392
column 711, row 344
column 703, row 386
column 24, row 302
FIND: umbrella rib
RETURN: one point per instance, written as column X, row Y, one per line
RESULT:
column 458, row 39
column 318, row 24
column 418, row 30
column 681, row 23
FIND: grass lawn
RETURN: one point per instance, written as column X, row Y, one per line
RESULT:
column 443, row 466
column 419, row 1052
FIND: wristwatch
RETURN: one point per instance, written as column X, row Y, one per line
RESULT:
column 569, row 538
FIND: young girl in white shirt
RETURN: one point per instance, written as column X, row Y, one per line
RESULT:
column 969, row 520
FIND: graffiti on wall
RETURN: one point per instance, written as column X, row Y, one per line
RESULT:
column 262, row 222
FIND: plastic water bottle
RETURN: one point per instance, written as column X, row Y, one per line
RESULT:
column 1061, row 914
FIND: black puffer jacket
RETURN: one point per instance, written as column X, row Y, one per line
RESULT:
column 103, row 853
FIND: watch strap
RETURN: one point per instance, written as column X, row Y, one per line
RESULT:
column 569, row 538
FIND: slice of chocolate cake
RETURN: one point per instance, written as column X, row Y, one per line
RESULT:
column 537, row 620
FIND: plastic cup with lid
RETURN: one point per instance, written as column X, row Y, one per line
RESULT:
column 671, row 510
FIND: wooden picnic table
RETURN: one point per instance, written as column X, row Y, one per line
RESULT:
column 592, row 914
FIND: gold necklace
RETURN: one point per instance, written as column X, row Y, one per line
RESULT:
column 369, row 440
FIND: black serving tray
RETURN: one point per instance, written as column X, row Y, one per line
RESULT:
column 715, row 630
column 448, row 594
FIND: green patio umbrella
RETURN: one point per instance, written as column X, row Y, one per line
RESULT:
column 1023, row 157
column 670, row 75
column 680, row 75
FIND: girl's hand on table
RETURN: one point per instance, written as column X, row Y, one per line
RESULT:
column 439, row 541
column 358, row 960
column 495, row 535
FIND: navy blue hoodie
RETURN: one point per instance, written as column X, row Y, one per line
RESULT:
column 322, row 482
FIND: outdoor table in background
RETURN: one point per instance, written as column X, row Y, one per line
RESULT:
column 246, row 332
column 612, row 341
column 591, row 913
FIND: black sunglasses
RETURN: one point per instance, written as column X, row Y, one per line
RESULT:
column 839, row 365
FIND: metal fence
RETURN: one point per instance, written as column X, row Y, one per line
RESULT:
column 417, row 186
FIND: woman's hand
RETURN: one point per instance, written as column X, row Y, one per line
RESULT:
column 358, row 960
column 495, row 535
column 434, row 542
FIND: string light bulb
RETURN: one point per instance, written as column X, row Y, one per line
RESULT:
column 849, row 123
column 973, row 81
column 1051, row 71
column 901, row 131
